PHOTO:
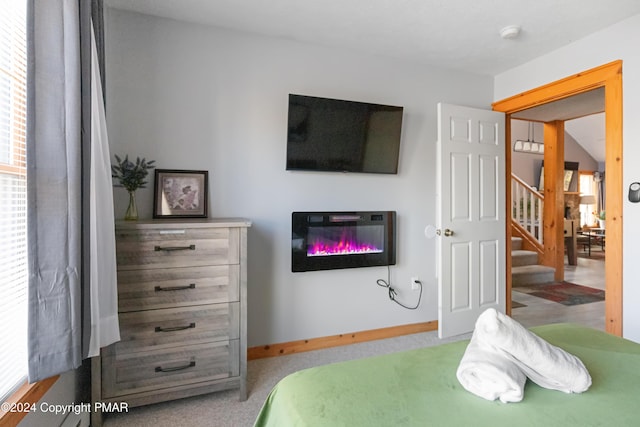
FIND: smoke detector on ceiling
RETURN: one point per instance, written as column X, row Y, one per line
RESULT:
column 510, row 32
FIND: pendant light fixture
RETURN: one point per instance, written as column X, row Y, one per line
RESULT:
column 529, row 146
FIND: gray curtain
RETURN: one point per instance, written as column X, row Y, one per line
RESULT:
column 57, row 149
column 599, row 179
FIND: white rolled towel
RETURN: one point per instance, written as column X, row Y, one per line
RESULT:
column 545, row 364
column 491, row 376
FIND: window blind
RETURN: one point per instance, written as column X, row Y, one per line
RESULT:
column 13, row 197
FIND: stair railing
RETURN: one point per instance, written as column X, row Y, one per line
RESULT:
column 527, row 208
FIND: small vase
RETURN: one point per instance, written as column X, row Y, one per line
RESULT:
column 132, row 211
column 601, row 223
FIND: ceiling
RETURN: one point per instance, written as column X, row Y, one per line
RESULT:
column 589, row 132
column 452, row 34
column 581, row 105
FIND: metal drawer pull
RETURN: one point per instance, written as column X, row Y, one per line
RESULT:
column 177, row 368
column 175, row 248
column 175, row 288
column 175, row 328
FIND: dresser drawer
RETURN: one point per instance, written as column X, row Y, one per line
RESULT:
column 153, row 370
column 172, row 287
column 166, row 248
column 171, row 327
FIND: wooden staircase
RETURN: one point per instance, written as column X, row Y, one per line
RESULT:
column 525, row 269
column 527, row 222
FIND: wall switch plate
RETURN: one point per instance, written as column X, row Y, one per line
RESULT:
column 415, row 283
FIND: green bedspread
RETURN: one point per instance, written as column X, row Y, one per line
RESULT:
column 419, row 388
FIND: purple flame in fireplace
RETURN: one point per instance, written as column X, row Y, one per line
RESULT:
column 347, row 244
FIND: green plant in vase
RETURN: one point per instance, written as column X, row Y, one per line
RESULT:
column 131, row 176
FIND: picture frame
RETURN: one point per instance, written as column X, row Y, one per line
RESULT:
column 570, row 177
column 180, row 193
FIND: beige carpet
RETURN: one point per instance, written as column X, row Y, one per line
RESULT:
column 224, row 410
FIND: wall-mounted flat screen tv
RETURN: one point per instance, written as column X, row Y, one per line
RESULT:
column 342, row 136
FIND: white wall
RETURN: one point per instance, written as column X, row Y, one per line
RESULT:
column 619, row 41
column 197, row 97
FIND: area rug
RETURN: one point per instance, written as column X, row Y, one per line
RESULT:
column 516, row 304
column 565, row 293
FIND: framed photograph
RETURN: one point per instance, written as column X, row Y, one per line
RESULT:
column 180, row 193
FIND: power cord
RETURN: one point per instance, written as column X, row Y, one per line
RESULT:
column 392, row 292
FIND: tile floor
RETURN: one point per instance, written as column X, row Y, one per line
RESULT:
column 538, row 311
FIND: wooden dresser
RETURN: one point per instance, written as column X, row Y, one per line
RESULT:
column 182, row 303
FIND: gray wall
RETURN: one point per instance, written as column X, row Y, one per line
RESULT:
column 197, row 97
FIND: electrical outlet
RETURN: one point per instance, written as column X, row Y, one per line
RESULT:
column 415, row 283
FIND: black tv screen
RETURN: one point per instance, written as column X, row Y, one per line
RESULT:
column 342, row 136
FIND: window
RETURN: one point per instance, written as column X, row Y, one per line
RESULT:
column 13, row 196
column 588, row 187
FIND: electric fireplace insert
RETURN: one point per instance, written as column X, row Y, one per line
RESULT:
column 333, row 240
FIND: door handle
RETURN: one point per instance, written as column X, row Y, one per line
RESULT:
column 447, row 232
column 176, row 328
column 174, row 248
column 177, row 368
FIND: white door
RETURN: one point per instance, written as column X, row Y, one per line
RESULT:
column 471, row 216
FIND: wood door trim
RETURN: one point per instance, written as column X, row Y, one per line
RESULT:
column 608, row 76
column 563, row 88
